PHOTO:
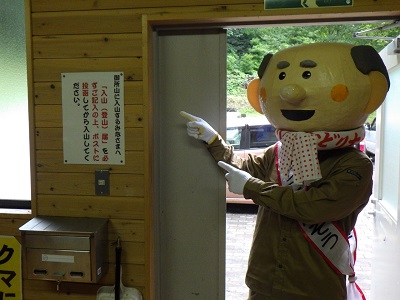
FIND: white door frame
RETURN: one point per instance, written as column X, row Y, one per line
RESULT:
column 386, row 194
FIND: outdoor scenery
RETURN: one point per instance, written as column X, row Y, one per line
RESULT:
column 247, row 47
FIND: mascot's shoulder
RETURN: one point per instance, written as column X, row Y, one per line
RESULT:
column 345, row 155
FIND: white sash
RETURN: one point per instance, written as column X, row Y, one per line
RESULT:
column 332, row 244
column 337, row 250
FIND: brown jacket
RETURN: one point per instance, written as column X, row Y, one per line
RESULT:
column 282, row 264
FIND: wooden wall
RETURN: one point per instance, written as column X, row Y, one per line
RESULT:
column 112, row 35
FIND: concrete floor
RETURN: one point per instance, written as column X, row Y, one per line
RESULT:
column 239, row 233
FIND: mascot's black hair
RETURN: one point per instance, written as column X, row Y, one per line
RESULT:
column 263, row 65
column 365, row 58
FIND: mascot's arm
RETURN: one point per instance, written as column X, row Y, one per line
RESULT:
column 336, row 196
column 236, row 178
column 200, row 129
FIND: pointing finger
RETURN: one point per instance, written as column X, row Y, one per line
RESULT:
column 188, row 116
column 225, row 166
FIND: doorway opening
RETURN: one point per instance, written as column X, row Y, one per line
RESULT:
column 245, row 50
column 208, row 281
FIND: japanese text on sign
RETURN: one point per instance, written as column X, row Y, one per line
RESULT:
column 93, row 118
column 10, row 268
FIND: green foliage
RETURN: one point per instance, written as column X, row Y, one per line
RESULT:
column 246, row 48
column 371, row 117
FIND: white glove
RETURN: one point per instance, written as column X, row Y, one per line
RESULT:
column 199, row 129
column 236, row 178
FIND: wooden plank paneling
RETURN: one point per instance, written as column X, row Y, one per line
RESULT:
column 50, row 92
column 10, row 226
column 51, row 69
column 53, row 161
column 78, row 46
column 131, row 275
column 132, row 253
column 87, row 22
column 128, row 185
column 47, row 290
column 51, row 139
column 48, row 5
column 51, row 116
column 130, row 208
column 106, row 35
column 127, row 229
column 246, row 10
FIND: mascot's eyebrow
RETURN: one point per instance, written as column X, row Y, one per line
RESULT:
column 308, row 64
column 283, row 64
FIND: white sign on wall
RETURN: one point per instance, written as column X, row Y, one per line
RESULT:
column 93, row 117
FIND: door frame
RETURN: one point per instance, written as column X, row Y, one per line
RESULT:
column 386, row 217
column 150, row 22
column 183, row 220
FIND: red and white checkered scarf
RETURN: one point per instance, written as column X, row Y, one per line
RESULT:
column 298, row 151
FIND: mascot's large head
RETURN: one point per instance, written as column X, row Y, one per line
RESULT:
column 322, row 86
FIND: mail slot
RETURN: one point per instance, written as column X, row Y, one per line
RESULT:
column 64, row 249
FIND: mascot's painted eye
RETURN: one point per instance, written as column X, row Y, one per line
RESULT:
column 306, row 74
column 282, row 75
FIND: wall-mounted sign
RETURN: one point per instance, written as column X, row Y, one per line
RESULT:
column 93, row 118
column 280, row 4
column 10, row 268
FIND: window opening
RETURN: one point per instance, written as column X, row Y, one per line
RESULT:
column 15, row 187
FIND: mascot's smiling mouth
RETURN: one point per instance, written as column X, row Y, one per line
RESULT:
column 297, row 115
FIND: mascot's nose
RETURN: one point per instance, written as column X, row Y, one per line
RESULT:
column 292, row 93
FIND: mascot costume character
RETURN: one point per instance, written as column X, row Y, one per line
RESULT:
column 311, row 185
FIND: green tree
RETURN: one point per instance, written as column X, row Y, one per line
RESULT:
column 246, row 48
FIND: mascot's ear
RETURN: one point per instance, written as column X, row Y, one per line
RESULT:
column 252, row 94
column 379, row 88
